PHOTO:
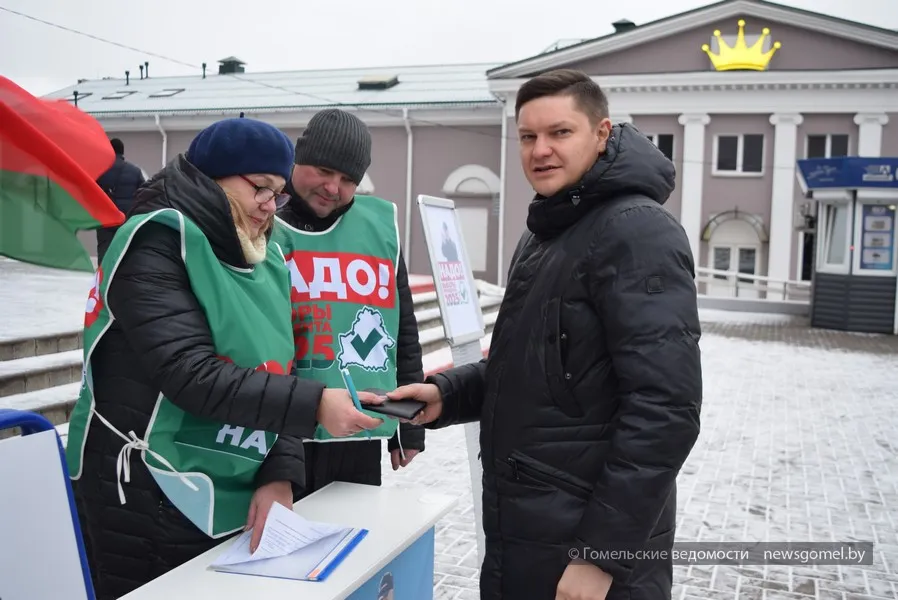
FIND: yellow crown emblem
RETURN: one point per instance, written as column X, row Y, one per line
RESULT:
column 740, row 57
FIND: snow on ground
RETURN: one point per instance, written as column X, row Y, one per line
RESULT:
column 37, row 300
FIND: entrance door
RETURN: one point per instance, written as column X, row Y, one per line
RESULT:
column 734, row 258
column 734, row 246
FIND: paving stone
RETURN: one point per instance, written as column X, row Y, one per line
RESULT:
column 797, row 444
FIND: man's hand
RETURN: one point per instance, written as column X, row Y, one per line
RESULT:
column 397, row 460
column 583, row 581
column 338, row 415
column 423, row 392
column 260, row 505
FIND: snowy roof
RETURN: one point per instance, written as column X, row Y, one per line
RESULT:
column 286, row 90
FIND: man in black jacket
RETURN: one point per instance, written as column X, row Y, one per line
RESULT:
column 589, row 401
column 120, row 182
column 332, row 156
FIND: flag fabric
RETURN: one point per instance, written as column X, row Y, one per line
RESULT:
column 51, row 154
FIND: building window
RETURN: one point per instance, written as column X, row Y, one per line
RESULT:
column 739, row 154
column 834, row 226
column 664, row 142
column 826, row 146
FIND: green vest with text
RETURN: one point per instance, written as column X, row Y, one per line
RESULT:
column 345, row 304
column 205, row 468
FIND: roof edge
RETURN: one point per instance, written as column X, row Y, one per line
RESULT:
column 677, row 23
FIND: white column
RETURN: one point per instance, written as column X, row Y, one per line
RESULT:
column 782, row 198
column 869, row 130
column 693, row 178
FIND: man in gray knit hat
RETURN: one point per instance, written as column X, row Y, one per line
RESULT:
column 341, row 248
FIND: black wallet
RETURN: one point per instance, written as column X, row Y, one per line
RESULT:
column 402, row 409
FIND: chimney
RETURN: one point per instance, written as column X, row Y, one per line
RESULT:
column 141, row 71
column 623, row 25
column 127, row 77
column 147, row 65
column 75, row 96
column 204, row 70
column 229, row 65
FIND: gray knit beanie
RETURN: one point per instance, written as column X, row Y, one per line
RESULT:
column 336, row 139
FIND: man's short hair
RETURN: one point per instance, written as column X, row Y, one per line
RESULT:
column 587, row 94
column 118, row 146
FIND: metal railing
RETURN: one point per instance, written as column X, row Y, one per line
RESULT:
column 715, row 282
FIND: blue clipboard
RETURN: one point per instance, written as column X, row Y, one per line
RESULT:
column 30, row 424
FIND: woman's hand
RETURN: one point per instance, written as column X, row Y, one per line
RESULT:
column 265, row 496
column 338, row 415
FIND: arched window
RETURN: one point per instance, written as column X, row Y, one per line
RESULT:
column 472, row 180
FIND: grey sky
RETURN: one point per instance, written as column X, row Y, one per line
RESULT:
column 271, row 35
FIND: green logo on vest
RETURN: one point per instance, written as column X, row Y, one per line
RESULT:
column 366, row 343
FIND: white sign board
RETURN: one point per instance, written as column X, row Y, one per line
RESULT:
column 39, row 552
column 453, row 280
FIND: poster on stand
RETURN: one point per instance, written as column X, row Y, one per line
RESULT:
column 453, row 279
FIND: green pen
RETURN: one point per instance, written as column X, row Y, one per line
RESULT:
column 347, row 380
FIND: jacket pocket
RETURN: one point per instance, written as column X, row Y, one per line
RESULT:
column 525, row 467
column 555, row 351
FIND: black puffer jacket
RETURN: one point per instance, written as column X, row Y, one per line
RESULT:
column 120, row 182
column 360, row 462
column 589, row 401
column 160, row 341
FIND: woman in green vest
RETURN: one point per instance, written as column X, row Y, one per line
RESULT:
column 189, row 426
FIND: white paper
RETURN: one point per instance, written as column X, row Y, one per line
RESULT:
column 285, row 532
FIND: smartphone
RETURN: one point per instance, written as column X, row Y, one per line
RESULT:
column 402, row 409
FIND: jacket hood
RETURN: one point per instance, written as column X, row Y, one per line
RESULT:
column 630, row 165
column 180, row 185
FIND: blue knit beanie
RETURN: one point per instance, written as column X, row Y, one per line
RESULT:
column 241, row 146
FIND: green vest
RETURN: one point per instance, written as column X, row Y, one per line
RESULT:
column 345, row 302
column 205, row 468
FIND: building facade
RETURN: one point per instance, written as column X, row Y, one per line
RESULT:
column 734, row 93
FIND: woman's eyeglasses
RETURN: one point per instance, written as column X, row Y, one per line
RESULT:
column 265, row 194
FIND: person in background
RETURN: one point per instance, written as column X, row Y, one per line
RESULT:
column 189, row 426
column 352, row 302
column 120, row 182
column 590, row 398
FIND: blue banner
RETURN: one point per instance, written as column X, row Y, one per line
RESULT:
column 409, row 576
column 849, row 172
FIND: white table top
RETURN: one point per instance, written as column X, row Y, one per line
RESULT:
column 394, row 517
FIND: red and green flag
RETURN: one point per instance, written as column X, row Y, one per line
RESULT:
column 51, row 154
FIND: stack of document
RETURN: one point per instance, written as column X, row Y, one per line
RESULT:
column 291, row 548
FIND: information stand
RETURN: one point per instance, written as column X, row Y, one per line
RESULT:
column 396, row 556
column 462, row 318
column 856, row 268
column 41, row 549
